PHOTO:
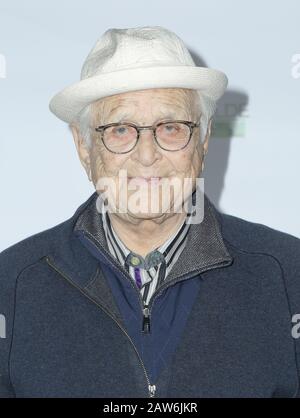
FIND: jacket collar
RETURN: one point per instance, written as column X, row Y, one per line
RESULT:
column 204, row 250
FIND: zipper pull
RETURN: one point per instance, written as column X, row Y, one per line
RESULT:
column 152, row 389
column 146, row 320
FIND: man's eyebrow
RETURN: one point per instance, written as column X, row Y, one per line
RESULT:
column 119, row 114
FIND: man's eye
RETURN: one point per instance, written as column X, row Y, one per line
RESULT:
column 171, row 128
column 120, row 130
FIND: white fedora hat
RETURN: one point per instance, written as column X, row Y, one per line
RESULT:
column 124, row 60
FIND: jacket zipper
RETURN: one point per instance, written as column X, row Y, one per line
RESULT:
column 146, row 320
column 151, row 387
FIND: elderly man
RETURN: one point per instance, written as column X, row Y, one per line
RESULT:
column 122, row 300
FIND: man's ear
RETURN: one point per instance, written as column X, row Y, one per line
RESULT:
column 82, row 150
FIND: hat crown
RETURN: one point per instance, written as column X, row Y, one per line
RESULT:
column 145, row 46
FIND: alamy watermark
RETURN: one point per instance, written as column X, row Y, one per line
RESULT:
column 295, row 69
column 2, row 326
column 296, row 327
column 2, row 66
column 137, row 195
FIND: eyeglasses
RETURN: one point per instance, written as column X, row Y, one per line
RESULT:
column 171, row 135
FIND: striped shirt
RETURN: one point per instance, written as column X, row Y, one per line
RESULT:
column 150, row 276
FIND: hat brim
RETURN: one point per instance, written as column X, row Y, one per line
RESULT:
column 71, row 100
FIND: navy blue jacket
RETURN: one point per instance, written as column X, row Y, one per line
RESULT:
column 220, row 325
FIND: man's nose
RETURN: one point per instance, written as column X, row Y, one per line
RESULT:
column 146, row 150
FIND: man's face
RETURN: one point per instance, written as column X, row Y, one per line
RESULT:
column 147, row 159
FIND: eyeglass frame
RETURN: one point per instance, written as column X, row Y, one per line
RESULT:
column 138, row 128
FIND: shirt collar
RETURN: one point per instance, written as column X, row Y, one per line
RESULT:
column 163, row 253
